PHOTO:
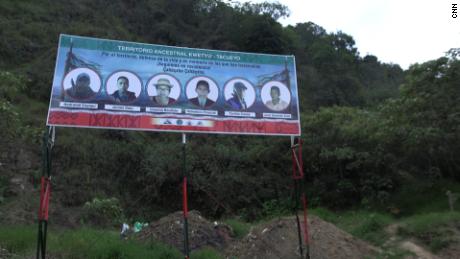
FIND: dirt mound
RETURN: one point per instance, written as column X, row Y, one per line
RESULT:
column 275, row 239
column 202, row 232
column 452, row 251
column 279, row 239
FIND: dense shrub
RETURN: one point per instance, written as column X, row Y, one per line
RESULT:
column 103, row 212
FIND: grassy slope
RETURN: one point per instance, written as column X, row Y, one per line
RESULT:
column 88, row 243
column 424, row 215
column 431, row 228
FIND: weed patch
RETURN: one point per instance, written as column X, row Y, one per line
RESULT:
column 18, row 239
column 240, row 228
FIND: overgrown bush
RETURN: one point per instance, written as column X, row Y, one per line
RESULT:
column 10, row 85
column 240, row 228
column 277, row 207
column 103, row 212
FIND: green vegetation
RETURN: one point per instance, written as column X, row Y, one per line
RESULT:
column 240, row 228
column 206, row 253
column 103, row 212
column 246, row 172
column 395, row 253
column 18, row 239
column 436, row 230
column 10, row 86
column 431, row 197
column 276, row 208
column 374, row 135
column 367, row 225
column 89, row 243
column 430, row 221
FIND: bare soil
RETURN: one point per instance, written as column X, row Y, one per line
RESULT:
column 202, row 232
column 277, row 238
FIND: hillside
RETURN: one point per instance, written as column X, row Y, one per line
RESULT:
column 329, row 68
column 376, row 138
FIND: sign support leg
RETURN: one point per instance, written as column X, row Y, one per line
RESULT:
column 184, row 197
column 299, row 193
column 45, row 192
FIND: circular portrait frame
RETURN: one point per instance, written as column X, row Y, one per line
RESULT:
column 190, row 88
column 175, row 91
column 112, row 79
column 250, row 95
column 285, row 94
column 94, row 78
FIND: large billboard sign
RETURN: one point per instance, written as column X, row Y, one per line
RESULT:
column 125, row 85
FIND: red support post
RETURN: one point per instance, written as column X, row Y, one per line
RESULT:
column 299, row 193
column 45, row 193
column 45, row 199
column 185, row 198
column 297, row 164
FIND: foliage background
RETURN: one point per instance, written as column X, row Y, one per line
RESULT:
column 368, row 127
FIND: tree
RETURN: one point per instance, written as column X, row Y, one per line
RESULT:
column 10, row 86
column 274, row 10
column 426, row 118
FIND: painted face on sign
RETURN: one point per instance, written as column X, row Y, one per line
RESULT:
column 163, row 91
column 239, row 89
column 122, row 84
column 202, row 90
column 83, row 82
column 275, row 93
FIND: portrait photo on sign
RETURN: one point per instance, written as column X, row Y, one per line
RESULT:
column 123, row 86
column 202, row 91
column 163, row 89
column 275, row 96
column 239, row 94
column 81, row 84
